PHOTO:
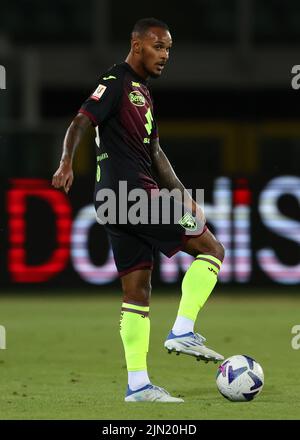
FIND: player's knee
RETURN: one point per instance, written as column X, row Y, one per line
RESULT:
column 137, row 294
column 213, row 248
column 219, row 251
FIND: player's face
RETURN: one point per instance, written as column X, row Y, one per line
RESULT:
column 155, row 48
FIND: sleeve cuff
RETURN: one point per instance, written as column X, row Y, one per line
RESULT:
column 89, row 115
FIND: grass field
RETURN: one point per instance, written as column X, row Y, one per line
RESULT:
column 64, row 358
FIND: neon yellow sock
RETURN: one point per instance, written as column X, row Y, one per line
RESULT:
column 197, row 285
column 135, row 334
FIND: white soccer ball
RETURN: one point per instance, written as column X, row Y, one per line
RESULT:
column 240, row 378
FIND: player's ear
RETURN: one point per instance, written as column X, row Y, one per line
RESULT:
column 136, row 45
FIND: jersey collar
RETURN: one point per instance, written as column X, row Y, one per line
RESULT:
column 133, row 72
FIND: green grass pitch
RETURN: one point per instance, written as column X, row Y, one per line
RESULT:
column 64, row 358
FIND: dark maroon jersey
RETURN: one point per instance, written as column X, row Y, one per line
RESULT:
column 121, row 109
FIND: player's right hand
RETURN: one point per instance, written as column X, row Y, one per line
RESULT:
column 63, row 177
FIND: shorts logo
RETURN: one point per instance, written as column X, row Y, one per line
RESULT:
column 98, row 92
column 188, row 222
column 137, row 98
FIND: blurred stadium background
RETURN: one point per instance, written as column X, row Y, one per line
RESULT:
column 229, row 120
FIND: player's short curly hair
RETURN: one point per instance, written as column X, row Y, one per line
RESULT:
column 142, row 25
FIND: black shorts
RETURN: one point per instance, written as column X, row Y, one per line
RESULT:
column 134, row 249
column 134, row 245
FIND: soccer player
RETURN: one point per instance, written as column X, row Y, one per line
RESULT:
column 129, row 151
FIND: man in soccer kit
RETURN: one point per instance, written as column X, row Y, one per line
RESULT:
column 128, row 152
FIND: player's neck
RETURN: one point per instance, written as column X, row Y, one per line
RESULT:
column 136, row 66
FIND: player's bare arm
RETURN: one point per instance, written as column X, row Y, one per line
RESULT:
column 63, row 177
column 167, row 177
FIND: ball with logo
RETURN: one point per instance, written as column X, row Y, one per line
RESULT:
column 240, row 378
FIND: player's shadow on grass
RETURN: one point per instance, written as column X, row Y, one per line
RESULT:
column 204, row 394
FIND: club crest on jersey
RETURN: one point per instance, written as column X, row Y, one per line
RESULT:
column 98, row 92
column 137, row 98
column 188, row 222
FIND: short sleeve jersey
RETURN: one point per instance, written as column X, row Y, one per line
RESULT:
column 121, row 109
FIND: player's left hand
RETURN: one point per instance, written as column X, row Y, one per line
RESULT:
column 63, row 177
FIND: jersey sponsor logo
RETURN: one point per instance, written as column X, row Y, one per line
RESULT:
column 188, row 222
column 98, row 92
column 135, row 84
column 137, row 98
column 106, row 78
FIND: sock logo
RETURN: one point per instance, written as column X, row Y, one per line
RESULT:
column 121, row 317
column 212, row 270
